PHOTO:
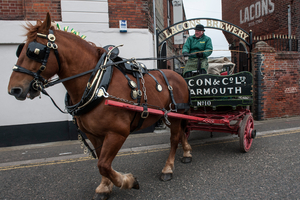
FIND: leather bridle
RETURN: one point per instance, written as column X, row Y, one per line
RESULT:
column 40, row 53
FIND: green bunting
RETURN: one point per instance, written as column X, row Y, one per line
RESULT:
column 72, row 30
column 58, row 26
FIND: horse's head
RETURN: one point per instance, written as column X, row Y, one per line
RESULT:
column 31, row 70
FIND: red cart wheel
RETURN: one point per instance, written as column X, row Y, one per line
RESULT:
column 246, row 133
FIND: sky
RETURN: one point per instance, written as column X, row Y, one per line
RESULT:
column 208, row 9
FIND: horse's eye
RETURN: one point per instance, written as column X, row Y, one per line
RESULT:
column 19, row 50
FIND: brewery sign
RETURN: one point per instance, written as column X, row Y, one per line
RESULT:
column 207, row 85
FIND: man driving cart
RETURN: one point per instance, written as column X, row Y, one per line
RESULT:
column 201, row 44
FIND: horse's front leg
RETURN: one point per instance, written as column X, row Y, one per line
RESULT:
column 111, row 145
column 104, row 189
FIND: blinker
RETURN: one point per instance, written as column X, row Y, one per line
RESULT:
column 19, row 50
column 36, row 51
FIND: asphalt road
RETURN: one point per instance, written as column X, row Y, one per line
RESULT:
column 271, row 170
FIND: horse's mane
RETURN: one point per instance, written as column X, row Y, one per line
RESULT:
column 33, row 29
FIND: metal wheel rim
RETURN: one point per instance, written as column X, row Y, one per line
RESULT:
column 245, row 133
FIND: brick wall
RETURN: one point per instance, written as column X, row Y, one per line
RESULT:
column 29, row 9
column 277, row 82
column 296, row 18
column 11, row 9
column 139, row 14
column 134, row 11
column 273, row 22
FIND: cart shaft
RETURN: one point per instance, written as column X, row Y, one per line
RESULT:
column 170, row 114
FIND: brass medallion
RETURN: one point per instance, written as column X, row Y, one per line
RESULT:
column 132, row 84
column 100, row 93
column 37, row 51
column 159, row 87
column 51, row 37
column 139, row 92
column 134, row 94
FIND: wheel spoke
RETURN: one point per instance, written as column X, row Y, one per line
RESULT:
column 246, row 128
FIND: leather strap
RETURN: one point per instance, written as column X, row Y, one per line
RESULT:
column 157, row 83
column 170, row 89
column 127, row 77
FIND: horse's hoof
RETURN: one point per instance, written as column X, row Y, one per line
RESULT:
column 166, row 177
column 186, row 160
column 136, row 184
column 101, row 196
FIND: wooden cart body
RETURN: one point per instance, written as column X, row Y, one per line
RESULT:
column 227, row 98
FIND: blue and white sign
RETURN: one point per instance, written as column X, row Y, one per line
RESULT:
column 123, row 26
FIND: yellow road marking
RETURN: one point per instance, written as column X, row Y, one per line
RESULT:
column 133, row 152
column 44, row 163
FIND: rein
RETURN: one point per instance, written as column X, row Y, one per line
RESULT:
column 51, row 83
column 40, row 53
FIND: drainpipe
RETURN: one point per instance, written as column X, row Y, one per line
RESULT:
column 155, row 34
column 154, row 18
column 289, row 27
column 258, row 94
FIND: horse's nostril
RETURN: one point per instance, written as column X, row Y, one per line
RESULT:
column 16, row 91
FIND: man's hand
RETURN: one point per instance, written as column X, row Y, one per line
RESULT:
column 185, row 54
column 199, row 55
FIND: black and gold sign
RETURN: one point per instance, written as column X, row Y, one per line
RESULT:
column 207, row 85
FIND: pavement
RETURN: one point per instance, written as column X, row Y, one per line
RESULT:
column 159, row 139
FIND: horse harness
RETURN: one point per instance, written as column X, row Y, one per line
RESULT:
column 98, row 83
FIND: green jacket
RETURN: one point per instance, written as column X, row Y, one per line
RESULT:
column 194, row 44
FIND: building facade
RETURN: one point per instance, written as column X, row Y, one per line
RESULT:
column 273, row 21
column 35, row 121
column 263, row 17
column 275, row 57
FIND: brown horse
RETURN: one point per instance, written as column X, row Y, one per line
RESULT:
column 106, row 127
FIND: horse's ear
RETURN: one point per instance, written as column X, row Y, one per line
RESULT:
column 47, row 23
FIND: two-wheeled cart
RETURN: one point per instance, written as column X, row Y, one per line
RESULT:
column 218, row 104
column 228, row 98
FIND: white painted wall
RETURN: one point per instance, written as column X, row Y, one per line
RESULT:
column 28, row 111
column 90, row 18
